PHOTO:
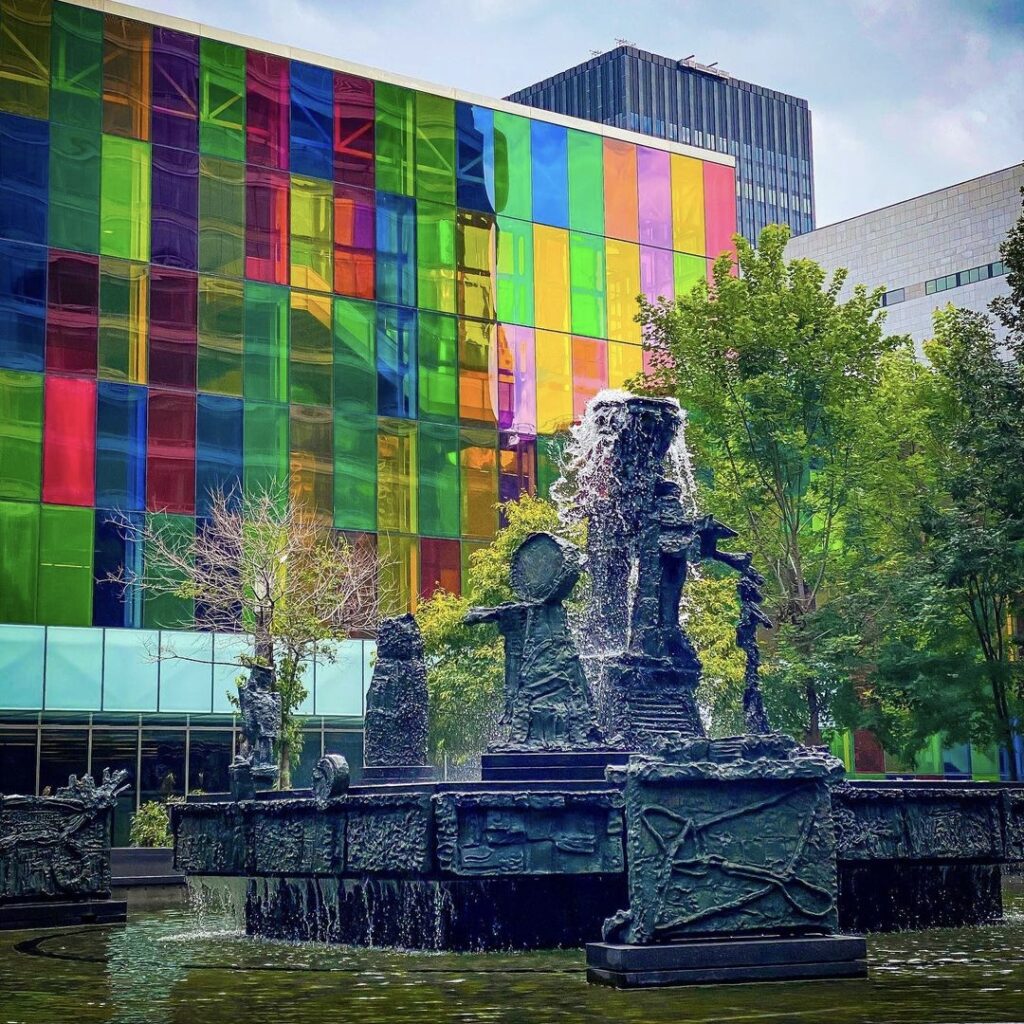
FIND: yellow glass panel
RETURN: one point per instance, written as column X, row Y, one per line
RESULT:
column 397, row 505
column 477, row 269
column 554, row 381
column 398, row 590
column 551, row 277
column 623, row 267
column 312, row 234
column 687, row 204
column 478, row 373
column 624, row 363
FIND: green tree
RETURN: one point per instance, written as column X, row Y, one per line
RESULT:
column 1010, row 308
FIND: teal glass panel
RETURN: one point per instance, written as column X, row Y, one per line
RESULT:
column 435, row 148
column 130, row 669
column 513, row 170
column 19, row 560
column 265, row 363
column 355, row 361
column 74, row 220
column 21, row 434
column 74, row 669
column 186, row 671
column 587, row 285
column 439, row 480
column 21, row 667
column 228, row 651
column 64, row 597
column 265, row 445
column 76, row 67
column 438, row 356
column 339, row 680
column 586, row 182
column 355, row 471
column 395, row 140
column 515, row 271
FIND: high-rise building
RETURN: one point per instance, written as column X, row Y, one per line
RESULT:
column 768, row 132
column 225, row 262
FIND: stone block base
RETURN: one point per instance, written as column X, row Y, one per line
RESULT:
column 549, row 766
column 60, row 914
column 398, row 773
column 716, row 961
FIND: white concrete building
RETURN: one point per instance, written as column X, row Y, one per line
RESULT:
column 935, row 249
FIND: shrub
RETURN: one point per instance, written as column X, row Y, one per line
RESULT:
column 151, row 825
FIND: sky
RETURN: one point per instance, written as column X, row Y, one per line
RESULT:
column 906, row 96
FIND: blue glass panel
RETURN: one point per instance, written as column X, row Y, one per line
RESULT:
column 113, row 604
column 339, row 683
column 175, row 205
column 21, row 667
column 120, row 446
column 74, row 669
column 396, row 361
column 474, row 127
column 218, row 448
column 186, row 671
column 24, row 176
column 130, row 669
column 228, row 651
column 22, row 305
column 312, row 150
column 396, row 249
column 549, row 144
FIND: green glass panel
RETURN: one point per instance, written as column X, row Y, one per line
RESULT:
column 124, row 318
column 586, row 182
column 355, row 472
column 166, row 611
column 267, row 317
column 513, row 170
column 221, row 99
column 395, row 138
column 125, row 199
column 547, row 465
column 65, row 566
column 515, row 271
column 74, row 215
column 587, row 285
column 435, row 256
column 355, row 361
column 221, row 316
column 438, row 354
column 221, row 217
column 25, row 57
column 19, row 561
column 265, row 432
column 688, row 271
column 310, row 370
column 21, row 434
column 76, row 66
column 435, row 148
column 439, row 480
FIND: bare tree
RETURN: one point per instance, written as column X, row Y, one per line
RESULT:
column 262, row 564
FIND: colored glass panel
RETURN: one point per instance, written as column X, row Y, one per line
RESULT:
column 513, row 171
column 221, row 217
column 654, row 196
column 113, row 604
column 396, row 249
column 621, row 217
column 122, row 347
column 267, row 321
column 399, row 575
column 312, row 244
column 171, row 451
column 549, row 146
column 589, row 372
column 587, row 276
column 173, row 308
column 69, row 441
column 266, row 225
column 72, row 318
column 175, row 93
column 74, row 214
column 218, row 449
column 586, row 182
column 657, row 274
column 222, row 99
column 720, row 209
column 517, row 380
column 125, row 199
column 624, row 363
column 474, row 157
column 355, row 363
column 127, row 55
column 623, row 276
column 355, row 471
column 478, row 462
column 174, row 240
column 24, row 171
column 267, row 103
column 517, row 467
column 688, row 270
column 554, row 382
column 687, row 204
column 440, row 566
column 265, row 439
column 312, row 122
column 19, row 560
column 25, row 57
column 162, row 610
column 221, row 315
column 310, row 371
column 64, row 597
column 355, row 242
column 478, row 373
column 22, row 305
column 311, row 477
column 354, row 130
column 476, row 266
column 551, row 278
column 396, row 361
column 395, row 138
column 435, row 257
column 121, row 446
column 435, row 148
column 438, row 480
column 438, row 382
column 515, row 271
column 21, row 434
column 76, row 68
column 397, row 505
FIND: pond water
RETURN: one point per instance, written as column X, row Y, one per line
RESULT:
column 166, row 965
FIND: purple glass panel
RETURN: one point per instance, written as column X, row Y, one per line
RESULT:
column 656, row 277
column 173, row 305
column 175, row 241
column 654, row 185
column 518, row 467
column 517, row 380
column 175, row 89
column 267, row 103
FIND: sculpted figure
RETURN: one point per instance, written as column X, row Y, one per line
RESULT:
column 751, row 616
column 260, row 705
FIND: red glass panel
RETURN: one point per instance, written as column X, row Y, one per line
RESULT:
column 719, row 209
column 354, row 241
column 440, row 566
column 353, row 130
column 171, row 453
column 266, row 226
column 868, row 755
column 72, row 315
column 173, row 301
column 267, row 108
column 69, row 441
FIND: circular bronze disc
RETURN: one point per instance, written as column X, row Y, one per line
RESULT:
column 545, row 568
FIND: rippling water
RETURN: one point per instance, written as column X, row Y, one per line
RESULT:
column 161, row 967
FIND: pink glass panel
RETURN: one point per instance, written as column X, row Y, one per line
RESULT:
column 171, row 452
column 719, row 209
column 517, row 380
column 266, row 225
column 69, row 441
column 173, row 341
column 267, row 109
column 657, row 277
column 654, row 185
column 440, row 566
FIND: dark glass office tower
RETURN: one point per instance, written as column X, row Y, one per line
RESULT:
column 768, row 132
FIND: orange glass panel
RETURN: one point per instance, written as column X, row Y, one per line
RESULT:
column 622, row 262
column 554, row 381
column 551, row 278
column 687, row 204
column 621, row 214
column 478, row 373
column 478, row 459
column 127, row 52
column 589, row 372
